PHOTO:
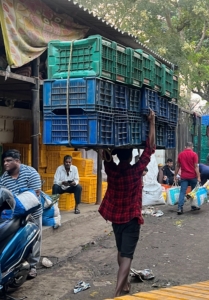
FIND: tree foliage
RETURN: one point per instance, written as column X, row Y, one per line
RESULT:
column 177, row 29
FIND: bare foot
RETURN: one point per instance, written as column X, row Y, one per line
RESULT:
column 127, row 287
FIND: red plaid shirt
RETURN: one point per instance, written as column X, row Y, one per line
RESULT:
column 123, row 198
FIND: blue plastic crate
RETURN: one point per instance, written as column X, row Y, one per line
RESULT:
column 149, row 100
column 171, row 137
column 173, row 113
column 94, row 129
column 163, row 112
column 205, row 120
column 160, row 132
column 145, row 129
column 134, row 100
column 84, row 93
column 121, row 96
column 160, row 135
column 121, row 126
column 135, row 130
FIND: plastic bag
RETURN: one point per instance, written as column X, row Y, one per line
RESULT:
column 53, row 222
column 152, row 194
column 173, row 195
column 51, row 212
column 198, row 196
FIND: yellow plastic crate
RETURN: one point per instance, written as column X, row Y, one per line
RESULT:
column 48, row 192
column 104, row 188
column 89, row 189
column 85, row 166
column 58, row 148
column 24, row 149
column 42, row 156
column 48, row 181
column 55, row 159
column 23, row 132
column 66, row 202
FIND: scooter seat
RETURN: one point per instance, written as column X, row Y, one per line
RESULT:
column 8, row 228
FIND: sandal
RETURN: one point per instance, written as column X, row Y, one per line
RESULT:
column 77, row 211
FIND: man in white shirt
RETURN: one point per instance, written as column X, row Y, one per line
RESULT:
column 66, row 180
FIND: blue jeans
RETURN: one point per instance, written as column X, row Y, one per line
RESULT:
column 184, row 184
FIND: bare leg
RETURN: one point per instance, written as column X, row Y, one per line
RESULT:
column 123, row 272
column 126, row 286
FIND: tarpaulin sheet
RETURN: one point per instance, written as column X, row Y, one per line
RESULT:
column 28, row 26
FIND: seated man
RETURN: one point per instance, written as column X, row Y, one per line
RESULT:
column 66, row 180
column 168, row 172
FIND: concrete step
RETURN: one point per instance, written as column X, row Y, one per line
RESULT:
column 69, row 219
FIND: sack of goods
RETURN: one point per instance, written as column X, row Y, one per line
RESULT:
column 198, row 196
column 173, row 195
column 51, row 213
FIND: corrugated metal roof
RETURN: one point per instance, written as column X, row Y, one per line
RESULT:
column 99, row 26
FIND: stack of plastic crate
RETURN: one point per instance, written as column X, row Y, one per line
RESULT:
column 204, row 140
column 110, row 90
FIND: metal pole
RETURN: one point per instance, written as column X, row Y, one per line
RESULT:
column 99, row 177
column 35, row 114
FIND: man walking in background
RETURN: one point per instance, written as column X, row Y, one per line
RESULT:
column 188, row 162
column 122, row 204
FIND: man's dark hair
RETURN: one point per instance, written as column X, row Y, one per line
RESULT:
column 169, row 160
column 123, row 154
column 11, row 153
column 67, row 157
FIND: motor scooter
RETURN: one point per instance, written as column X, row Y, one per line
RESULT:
column 17, row 238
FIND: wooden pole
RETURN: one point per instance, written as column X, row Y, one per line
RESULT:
column 99, row 177
column 35, row 114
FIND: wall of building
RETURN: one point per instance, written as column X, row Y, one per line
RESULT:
column 7, row 116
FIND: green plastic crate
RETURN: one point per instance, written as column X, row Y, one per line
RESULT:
column 135, row 68
column 148, row 68
column 158, row 75
column 175, row 87
column 195, row 140
column 194, row 130
column 94, row 56
column 203, row 129
column 122, row 64
column 167, row 82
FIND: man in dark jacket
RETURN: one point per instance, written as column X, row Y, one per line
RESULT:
column 168, row 172
column 204, row 173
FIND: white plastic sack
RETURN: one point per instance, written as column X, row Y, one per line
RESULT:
column 152, row 190
column 152, row 194
column 151, row 176
column 173, row 195
column 201, row 197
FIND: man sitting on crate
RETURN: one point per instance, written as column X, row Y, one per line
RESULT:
column 66, row 180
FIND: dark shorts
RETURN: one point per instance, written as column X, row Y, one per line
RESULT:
column 127, row 236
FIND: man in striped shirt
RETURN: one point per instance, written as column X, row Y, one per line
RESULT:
column 15, row 177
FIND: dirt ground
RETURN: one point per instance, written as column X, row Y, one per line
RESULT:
column 174, row 247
